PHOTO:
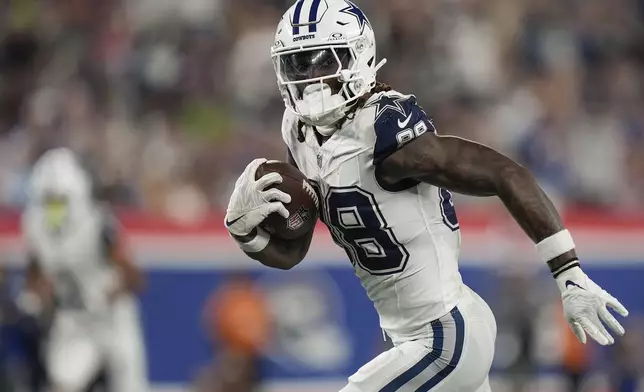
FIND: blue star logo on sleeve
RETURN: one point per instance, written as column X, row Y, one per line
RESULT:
column 386, row 102
column 356, row 12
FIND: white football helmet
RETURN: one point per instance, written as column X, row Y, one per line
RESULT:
column 60, row 186
column 325, row 59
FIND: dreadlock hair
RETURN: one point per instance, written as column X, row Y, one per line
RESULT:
column 360, row 102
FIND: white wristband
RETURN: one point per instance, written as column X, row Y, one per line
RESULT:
column 555, row 245
column 257, row 244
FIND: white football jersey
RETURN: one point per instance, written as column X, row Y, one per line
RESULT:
column 402, row 240
column 74, row 258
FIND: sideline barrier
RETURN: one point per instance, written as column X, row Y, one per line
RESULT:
column 185, row 264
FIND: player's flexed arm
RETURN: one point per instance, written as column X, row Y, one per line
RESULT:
column 250, row 204
column 474, row 169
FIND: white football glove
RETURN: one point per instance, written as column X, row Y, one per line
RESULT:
column 585, row 307
column 250, row 203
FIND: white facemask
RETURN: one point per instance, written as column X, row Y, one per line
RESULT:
column 320, row 107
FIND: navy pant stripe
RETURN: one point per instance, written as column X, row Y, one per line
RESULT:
column 313, row 16
column 456, row 356
column 296, row 17
column 409, row 374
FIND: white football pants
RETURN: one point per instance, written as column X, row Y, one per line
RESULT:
column 456, row 357
column 79, row 348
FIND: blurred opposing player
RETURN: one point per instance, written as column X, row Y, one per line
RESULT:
column 79, row 265
column 384, row 177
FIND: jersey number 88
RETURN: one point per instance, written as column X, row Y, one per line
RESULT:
column 357, row 225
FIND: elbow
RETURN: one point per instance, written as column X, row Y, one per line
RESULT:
column 511, row 168
column 283, row 255
column 280, row 263
column 514, row 173
column 513, row 180
column 286, row 264
column 293, row 256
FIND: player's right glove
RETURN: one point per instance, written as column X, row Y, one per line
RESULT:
column 586, row 305
column 251, row 203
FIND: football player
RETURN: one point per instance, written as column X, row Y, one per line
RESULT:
column 384, row 178
column 78, row 265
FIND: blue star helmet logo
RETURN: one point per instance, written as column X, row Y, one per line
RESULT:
column 386, row 102
column 356, row 12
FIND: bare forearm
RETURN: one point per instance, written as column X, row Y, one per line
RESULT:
column 533, row 210
column 528, row 204
column 474, row 169
column 280, row 254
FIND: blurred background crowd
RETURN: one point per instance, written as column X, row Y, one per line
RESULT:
column 171, row 99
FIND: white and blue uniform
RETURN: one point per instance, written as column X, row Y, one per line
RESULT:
column 404, row 244
column 88, row 332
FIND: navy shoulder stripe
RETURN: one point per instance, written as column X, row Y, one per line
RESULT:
column 398, row 120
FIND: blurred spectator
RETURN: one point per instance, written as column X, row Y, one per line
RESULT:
column 238, row 322
column 172, row 99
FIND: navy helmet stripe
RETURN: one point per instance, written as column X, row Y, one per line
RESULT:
column 456, row 356
column 424, row 363
column 313, row 16
column 296, row 17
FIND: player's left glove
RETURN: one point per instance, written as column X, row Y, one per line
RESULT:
column 586, row 305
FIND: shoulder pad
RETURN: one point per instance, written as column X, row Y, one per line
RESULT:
column 398, row 120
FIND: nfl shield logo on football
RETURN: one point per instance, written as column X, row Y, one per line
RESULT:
column 298, row 218
column 294, row 221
